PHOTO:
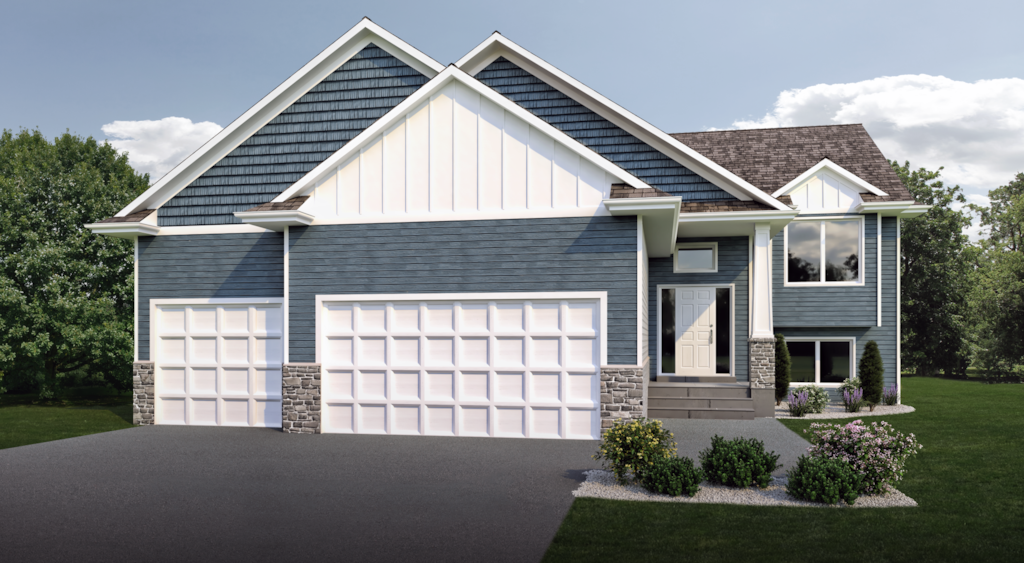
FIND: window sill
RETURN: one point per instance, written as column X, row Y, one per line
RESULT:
column 823, row 284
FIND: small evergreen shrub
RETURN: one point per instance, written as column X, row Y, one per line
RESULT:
column 878, row 452
column 890, row 396
column 782, row 368
column 672, row 476
column 630, row 447
column 739, row 462
column 824, row 480
column 870, row 371
column 853, row 399
column 797, row 403
column 817, row 398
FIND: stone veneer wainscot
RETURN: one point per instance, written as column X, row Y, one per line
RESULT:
column 300, row 399
column 622, row 394
column 143, row 393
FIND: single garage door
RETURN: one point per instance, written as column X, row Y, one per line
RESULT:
column 527, row 368
column 218, row 362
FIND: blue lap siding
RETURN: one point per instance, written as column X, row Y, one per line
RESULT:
column 602, row 136
column 515, row 255
column 205, row 267
column 319, row 123
column 733, row 268
column 844, row 311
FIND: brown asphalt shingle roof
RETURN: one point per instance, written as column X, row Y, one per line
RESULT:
column 288, row 205
column 136, row 217
column 771, row 158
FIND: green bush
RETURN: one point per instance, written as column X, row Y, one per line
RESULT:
column 870, row 371
column 824, row 480
column 782, row 367
column 630, row 447
column 851, row 384
column 817, row 398
column 739, row 462
column 672, row 476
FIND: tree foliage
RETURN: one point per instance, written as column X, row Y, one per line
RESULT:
column 997, row 288
column 870, row 371
column 65, row 294
column 936, row 263
column 783, row 364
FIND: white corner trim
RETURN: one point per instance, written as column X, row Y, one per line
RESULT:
column 275, row 220
column 600, row 296
column 135, row 306
column 278, row 100
column 827, row 164
column 899, row 300
column 695, row 245
column 308, row 182
column 498, row 45
column 284, row 304
column 878, row 268
column 123, row 230
column 639, row 289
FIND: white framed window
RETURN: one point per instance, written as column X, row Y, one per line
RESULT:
column 825, row 251
column 695, row 258
column 824, row 361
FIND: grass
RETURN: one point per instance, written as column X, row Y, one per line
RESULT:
column 24, row 419
column 967, row 482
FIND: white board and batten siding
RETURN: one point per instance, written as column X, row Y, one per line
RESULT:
column 465, row 365
column 217, row 361
column 460, row 155
column 824, row 192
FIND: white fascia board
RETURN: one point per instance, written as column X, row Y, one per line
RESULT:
column 659, row 220
column 123, row 230
column 732, row 223
column 827, row 164
column 498, row 45
column 308, row 182
column 275, row 102
column 275, row 220
column 893, row 208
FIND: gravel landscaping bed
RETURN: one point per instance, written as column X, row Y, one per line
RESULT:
column 602, row 484
column 838, row 411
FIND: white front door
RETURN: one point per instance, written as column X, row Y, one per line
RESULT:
column 695, row 345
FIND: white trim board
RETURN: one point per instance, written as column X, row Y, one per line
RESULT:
column 828, row 165
column 275, row 102
column 732, row 326
column 600, row 296
column 329, row 166
column 497, row 46
column 862, row 257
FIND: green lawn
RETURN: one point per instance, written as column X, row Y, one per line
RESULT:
column 968, row 484
column 26, row 420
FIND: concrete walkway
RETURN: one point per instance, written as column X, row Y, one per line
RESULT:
column 694, row 435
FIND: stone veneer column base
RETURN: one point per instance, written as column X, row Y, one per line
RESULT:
column 761, row 356
column 300, row 399
column 143, row 394
column 622, row 394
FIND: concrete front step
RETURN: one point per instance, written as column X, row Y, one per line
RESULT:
column 719, row 414
column 718, row 392
column 698, row 403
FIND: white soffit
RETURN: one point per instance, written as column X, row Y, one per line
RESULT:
column 828, row 165
column 278, row 100
column 308, row 182
column 661, row 220
column 499, row 46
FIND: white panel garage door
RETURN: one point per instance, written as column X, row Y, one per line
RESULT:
column 499, row 367
column 218, row 362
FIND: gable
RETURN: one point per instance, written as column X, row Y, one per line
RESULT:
column 824, row 192
column 294, row 142
column 455, row 155
column 597, row 133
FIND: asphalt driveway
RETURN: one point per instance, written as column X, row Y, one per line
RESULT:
column 230, row 494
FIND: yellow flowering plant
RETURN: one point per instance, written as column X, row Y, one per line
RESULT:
column 630, row 447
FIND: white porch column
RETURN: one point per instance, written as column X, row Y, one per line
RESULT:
column 761, row 296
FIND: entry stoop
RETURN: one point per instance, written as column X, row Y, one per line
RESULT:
column 730, row 401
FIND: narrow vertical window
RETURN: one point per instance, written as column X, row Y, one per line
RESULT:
column 804, row 251
column 668, row 331
column 723, row 330
column 842, row 246
column 835, row 362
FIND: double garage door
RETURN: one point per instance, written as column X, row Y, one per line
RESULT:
column 465, row 367
column 504, row 367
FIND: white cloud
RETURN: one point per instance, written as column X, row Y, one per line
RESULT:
column 975, row 130
column 157, row 146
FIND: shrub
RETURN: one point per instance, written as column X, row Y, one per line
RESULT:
column 797, row 403
column 853, row 399
column 824, row 480
column 890, row 396
column 852, row 384
column 629, row 447
column 878, row 452
column 782, row 366
column 870, row 371
column 672, row 476
column 817, row 398
column 739, row 462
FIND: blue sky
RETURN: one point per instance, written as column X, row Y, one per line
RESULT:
column 954, row 92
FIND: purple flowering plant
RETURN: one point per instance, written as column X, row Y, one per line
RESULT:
column 878, row 451
column 890, row 396
column 798, row 402
column 853, row 399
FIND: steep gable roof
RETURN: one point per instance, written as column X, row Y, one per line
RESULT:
column 771, row 158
